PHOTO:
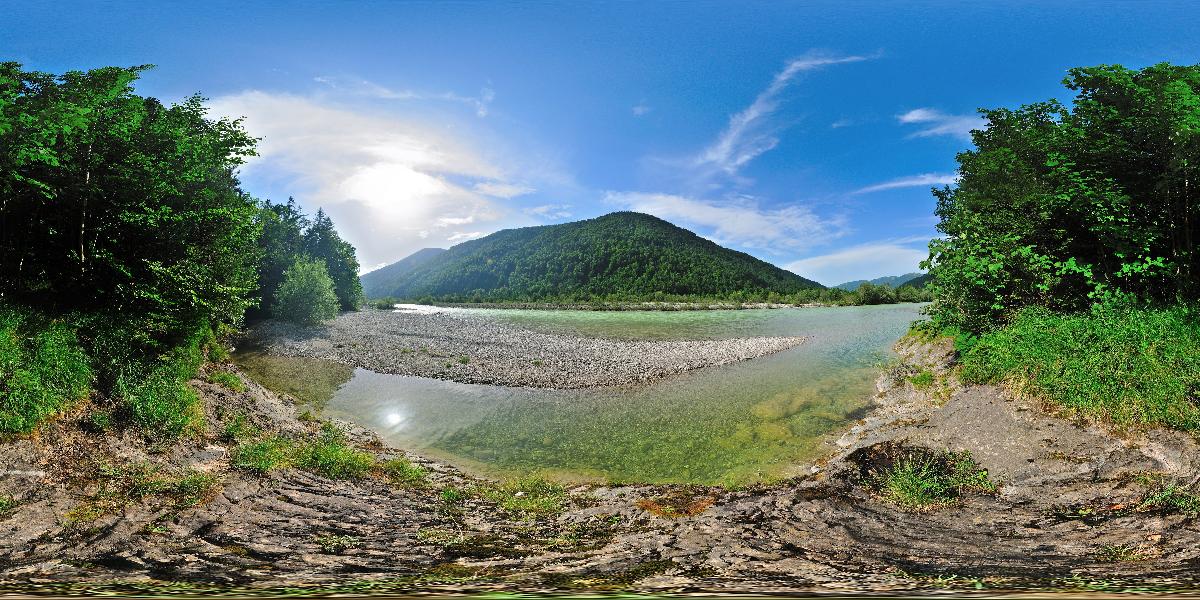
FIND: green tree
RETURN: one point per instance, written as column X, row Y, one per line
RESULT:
column 322, row 242
column 1065, row 207
column 306, row 294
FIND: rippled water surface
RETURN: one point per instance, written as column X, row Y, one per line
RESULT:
column 733, row 424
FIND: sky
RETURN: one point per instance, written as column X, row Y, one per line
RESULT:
column 807, row 134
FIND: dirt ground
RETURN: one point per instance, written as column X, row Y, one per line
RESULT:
column 1069, row 512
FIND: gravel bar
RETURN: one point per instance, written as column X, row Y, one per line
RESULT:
column 470, row 348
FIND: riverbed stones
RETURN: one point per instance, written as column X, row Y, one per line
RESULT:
column 469, row 348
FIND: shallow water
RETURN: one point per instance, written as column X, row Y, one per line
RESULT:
column 733, row 424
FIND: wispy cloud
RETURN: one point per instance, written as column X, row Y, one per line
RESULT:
column 550, row 211
column 739, row 221
column 641, row 109
column 864, row 261
column 923, row 180
column 500, row 189
column 934, row 122
column 749, row 132
column 362, row 87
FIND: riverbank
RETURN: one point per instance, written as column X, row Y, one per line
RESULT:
column 466, row 348
column 630, row 306
column 1074, row 507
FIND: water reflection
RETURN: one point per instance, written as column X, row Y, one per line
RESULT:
column 733, row 424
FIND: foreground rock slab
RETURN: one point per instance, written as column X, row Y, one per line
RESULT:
column 460, row 346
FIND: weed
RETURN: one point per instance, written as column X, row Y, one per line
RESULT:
column 263, row 456
column 227, row 379
column 402, row 471
column 1121, row 553
column 308, row 417
column 99, row 420
column 462, row 360
column 7, row 503
column 331, row 456
column 239, row 428
column 918, row 479
column 537, row 363
column 922, row 380
column 531, row 495
column 337, row 544
column 122, row 485
column 452, row 495
column 1171, row 497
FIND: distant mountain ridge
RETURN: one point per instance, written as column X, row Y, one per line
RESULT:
column 620, row 255
column 376, row 282
column 890, row 280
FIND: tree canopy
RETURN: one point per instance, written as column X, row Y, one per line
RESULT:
column 1063, row 207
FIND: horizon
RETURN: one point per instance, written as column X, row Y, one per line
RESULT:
column 764, row 130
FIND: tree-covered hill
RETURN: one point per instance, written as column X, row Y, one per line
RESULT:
column 889, row 280
column 382, row 281
column 623, row 255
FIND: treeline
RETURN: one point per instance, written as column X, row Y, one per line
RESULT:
column 866, row 294
column 127, row 247
column 1069, row 261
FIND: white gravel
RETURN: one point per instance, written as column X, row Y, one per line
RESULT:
column 464, row 347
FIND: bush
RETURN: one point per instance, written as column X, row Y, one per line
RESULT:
column 331, row 456
column 43, row 370
column 157, row 396
column 1122, row 365
column 306, row 295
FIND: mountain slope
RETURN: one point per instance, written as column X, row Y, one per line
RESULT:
column 379, row 282
column 890, row 280
column 623, row 255
column 918, row 282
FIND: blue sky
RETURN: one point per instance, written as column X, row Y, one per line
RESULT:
column 807, row 134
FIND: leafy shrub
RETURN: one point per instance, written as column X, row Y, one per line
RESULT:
column 1123, row 365
column 306, row 295
column 157, row 395
column 402, row 471
column 43, row 369
column 263, row 456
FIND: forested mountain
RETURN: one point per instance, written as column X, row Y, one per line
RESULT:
column 382, row 281
column 889, row 280
column 623, row 255
column 918, row 282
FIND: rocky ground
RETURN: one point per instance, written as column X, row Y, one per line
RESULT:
column 1070, row 512
column 462, row 347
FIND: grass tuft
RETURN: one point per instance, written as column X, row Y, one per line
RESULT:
column 227, row 379
column 919, row 479
column 329, row 455
column 530, row 495
column 43, row 370
column 402, row 471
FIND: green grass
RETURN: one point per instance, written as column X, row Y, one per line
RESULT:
column 402, row 471
column 1127, row 367
column 7, row 503
column 336, row 544
column 1121, row 553
column 119, row 486
column 530, row 495
column 1172, row 498
column 329, row 454
column 227, row 379
column 922, row 480
column 43, row 370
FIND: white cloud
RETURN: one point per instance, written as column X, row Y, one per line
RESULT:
column 550, row 211
column 362, row 87
column 740, row 221
column 749, row 132
column 840, row 123
column 923, row 180
column 641, row 109
column 500, row 189
column 392, row 186
column 865, row 261
column 464, row 236
column 935, row 122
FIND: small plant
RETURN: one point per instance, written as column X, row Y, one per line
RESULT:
column 453, row 495
column 918, row 479
column 7, row 503
column 239, row 428
column 336, row 544
column 227, row 379
column 537, row 363
column 308, row 417
column 331, row 456
column 402, row 471
column 922, row 380
column 531, row 495
column 99, row 420
column 122, row 485
column 462, row 360
column 263, row 456
column 1171, row 497
column 1121, row 553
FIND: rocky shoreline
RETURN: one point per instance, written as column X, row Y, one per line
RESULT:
column 459, row 346
column 1069, row 493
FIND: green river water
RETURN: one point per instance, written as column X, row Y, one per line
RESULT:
column 734, row 424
